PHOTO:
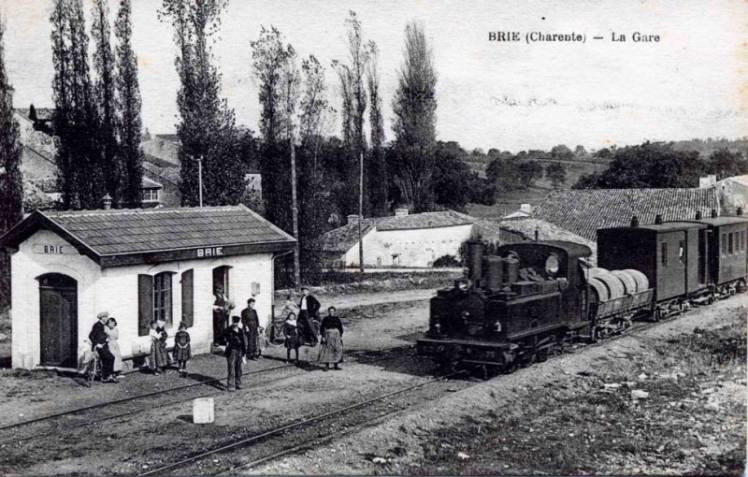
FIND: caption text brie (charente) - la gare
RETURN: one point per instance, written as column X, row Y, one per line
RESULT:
column 572, row 37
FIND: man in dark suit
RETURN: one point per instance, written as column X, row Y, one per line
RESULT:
column 236, row 350
column 99, row 343
column 308, row 309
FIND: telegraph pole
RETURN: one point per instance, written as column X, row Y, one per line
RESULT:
column 360, row 215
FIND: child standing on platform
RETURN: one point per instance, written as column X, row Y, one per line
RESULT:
column 182, row 351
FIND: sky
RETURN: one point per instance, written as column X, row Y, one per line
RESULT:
column 693, row 83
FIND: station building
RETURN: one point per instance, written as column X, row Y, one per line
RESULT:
column 139, row 265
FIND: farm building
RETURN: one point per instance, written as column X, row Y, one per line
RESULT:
column 139, row 265
column 406, row 240
column 583, row 212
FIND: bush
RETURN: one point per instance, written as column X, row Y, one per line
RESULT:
column 446, row 261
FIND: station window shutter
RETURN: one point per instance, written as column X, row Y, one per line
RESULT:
column 188, row 298
column 145, row 304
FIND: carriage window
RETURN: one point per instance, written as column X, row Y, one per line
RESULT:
column 162, row 297
column 730, row 244
column 663, row 254
column 723, row 251
column 681, row 251
column 742, row 241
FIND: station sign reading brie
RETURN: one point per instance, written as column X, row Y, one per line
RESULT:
column 209, row 252
column 50, row 249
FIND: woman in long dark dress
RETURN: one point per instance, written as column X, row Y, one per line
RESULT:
column 293, row 340
column 159, row 357
column 251, row 325
column 331, row 331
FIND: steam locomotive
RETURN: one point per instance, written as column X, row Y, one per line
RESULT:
column 528, row 300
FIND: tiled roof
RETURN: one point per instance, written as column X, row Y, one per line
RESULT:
column 343, row 238
column 169, row 174
column 426, row 220
column 138, row 231
column 582, row 212
column 42, row 114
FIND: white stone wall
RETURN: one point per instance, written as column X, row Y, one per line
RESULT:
column 116, row 290
column 416, row 248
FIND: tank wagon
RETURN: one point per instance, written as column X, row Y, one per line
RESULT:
column 527, row 300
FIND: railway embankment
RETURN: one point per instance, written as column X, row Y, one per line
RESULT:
column 668, row 399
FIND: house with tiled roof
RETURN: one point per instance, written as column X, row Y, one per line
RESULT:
column 405, row 240
column 139, row 265
column 583, row 212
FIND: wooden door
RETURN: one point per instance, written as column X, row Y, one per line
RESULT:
column 58, row 300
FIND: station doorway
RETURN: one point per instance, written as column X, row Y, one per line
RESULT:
column 58, row 310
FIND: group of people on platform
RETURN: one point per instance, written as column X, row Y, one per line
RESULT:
column 242, row 339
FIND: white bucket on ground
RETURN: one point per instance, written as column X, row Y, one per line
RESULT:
column 202, row 411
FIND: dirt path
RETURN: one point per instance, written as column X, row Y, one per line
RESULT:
column 557, row 416
column 367, row 299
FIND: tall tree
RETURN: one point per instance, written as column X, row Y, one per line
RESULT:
column 79, row 159
column 129, row 102
column 207, row 131
column 314, row 119
column 269, row 56
column 414, row 106
column 378, row 165
column 290, row 82
column 354, row 99
column 271, row 66
column 104, row 64
column 11, row 179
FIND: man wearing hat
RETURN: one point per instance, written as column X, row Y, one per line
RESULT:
column 236, row 350
column 99, row 342
column 308, row 309
column 222, row 307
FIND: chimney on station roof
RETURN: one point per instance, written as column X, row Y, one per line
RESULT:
column 107, row 200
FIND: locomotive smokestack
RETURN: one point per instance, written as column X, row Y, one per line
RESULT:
column 634, row 221
column 714, row 213
column 474, row 260
column 739, row 211
column 698, row 215
column 658, row 219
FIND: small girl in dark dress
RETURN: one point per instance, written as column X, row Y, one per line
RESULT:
column 293, row 340
column 182, row 351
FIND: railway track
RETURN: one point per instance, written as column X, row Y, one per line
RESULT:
column 272, row 443
column 56, row 423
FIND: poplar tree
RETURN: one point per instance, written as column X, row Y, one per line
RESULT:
column 353, row 87
column 269, row 58
column 129, row 103
column 207, row 131
column 76, row 121
column 377, row 164
column 11, row 179
column 315, row 115
column 414, row 107
column 104, row 64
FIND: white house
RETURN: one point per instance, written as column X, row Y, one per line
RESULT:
column 403, row 240
column 139, row 265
